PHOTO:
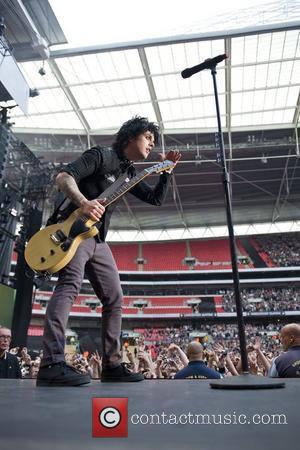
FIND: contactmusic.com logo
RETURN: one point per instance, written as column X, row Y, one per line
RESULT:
column 110, row 417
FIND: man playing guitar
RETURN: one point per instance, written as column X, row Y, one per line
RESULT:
column 82, row 182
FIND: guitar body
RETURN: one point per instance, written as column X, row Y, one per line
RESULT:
column 50, row 249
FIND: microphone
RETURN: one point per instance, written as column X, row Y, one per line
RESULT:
column 207, row 64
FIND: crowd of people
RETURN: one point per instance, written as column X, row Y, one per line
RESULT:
column 158, row 340
column 212, row 351
column 283, row 249
column 29, row 362
column 269, row 299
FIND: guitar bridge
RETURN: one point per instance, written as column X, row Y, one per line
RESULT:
column 58, row 237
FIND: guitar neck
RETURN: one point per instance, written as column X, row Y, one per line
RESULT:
column 111, row 194
column 121, row 190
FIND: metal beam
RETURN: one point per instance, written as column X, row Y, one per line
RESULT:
column 49, row 131
column 251, row 183
column 177, row 201
column 153, row 75
column 257, row 127
column 179, row 39
column 297, row 112
column 277, row 205
column 131, row 214
column 182, row 97
column 217, row 231
column 153, row 96
column 228, row 93
column 171, row 131
column 64, row 86
column 179, row 119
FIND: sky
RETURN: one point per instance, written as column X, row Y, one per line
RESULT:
column 97, row 22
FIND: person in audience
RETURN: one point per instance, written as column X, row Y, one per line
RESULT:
column 287, row 364
column 196, row 368
column 95, row 363
column 177, row 350
column 9, row 363
column 82, row 182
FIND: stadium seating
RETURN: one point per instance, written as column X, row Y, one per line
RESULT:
column 78, row 309
column 125, row 256
column 164, row 256
column 214, row 254
column 35, row 330
column 168, row 301
column 263, row 254
column 36, row 306
column 218, row 299
column 170, row 256
column 171, row 310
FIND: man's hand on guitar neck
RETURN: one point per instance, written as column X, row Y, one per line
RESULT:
column 93, row 209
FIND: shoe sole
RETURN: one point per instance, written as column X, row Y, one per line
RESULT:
column 47, row 383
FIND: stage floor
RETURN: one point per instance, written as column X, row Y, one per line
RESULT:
column 46, row 418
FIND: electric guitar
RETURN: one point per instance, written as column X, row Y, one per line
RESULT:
column 53, row 247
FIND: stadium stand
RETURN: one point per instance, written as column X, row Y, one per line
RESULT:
column 80, row 309
column 169, row 310
column 215, row 254
column 125, row 256
column 218, row 299
column 36, row 306
column 209, row 254
column 262, row 253
column 164, row 256
column 253, row 300
column 280, row 250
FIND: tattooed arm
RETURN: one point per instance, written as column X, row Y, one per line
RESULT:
column 91, row 208
column 68, row 186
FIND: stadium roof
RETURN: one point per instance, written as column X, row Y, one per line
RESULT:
column 93, row 90
column 88, row 92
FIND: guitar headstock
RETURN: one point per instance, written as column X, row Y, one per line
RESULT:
column 161, row 167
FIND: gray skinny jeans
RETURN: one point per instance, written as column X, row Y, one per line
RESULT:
column 96, row 260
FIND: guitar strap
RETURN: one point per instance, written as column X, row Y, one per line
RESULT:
column 54, row 218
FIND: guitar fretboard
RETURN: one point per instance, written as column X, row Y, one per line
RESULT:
column 126, row 187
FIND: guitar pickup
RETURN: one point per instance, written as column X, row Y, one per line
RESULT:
column 58, row 237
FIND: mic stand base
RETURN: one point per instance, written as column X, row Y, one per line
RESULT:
column 247, row 381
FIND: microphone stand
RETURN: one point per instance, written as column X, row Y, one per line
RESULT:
column 245, row 380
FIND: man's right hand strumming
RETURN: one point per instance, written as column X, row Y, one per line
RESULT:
column 93, row 209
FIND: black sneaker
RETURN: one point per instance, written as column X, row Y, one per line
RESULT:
column 120, row 374
column 61, row 374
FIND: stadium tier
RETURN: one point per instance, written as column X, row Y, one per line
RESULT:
column 215, row 254
column 262, row 253
column 278, row 250
column 178, row 255
column 164, row 256
column 254, row 300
